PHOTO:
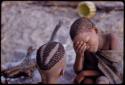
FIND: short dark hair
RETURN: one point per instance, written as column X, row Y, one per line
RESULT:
column 52, row 51
column 81, row 23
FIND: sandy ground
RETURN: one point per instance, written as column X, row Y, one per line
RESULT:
column 25, row 25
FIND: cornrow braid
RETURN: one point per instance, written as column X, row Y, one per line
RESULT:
column 49, row 54
column 79, row 24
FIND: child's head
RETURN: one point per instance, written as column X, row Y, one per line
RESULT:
column 51, row 61
column 84, row 30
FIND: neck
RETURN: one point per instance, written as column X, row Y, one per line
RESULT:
column 50, row 81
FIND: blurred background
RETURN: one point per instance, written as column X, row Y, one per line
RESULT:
column 31, row 23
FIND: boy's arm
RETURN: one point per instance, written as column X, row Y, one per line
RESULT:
column 79, row 47
column 78, row 64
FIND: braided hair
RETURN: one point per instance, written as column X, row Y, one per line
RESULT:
column 49, row 54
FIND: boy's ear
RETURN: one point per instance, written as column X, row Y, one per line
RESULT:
column 96, row 30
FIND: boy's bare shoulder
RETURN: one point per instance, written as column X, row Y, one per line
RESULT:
column 114, row 36
column 114, row 40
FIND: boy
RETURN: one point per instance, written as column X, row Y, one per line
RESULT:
column 88, row 41
column 51, row 62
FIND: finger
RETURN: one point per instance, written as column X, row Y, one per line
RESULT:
column 80, row 44
column 87, row 47
column 77, row 46
column 81, row 51
column 83, row 48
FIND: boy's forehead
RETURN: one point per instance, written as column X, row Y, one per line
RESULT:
column 82, row 36
column 84, row 31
